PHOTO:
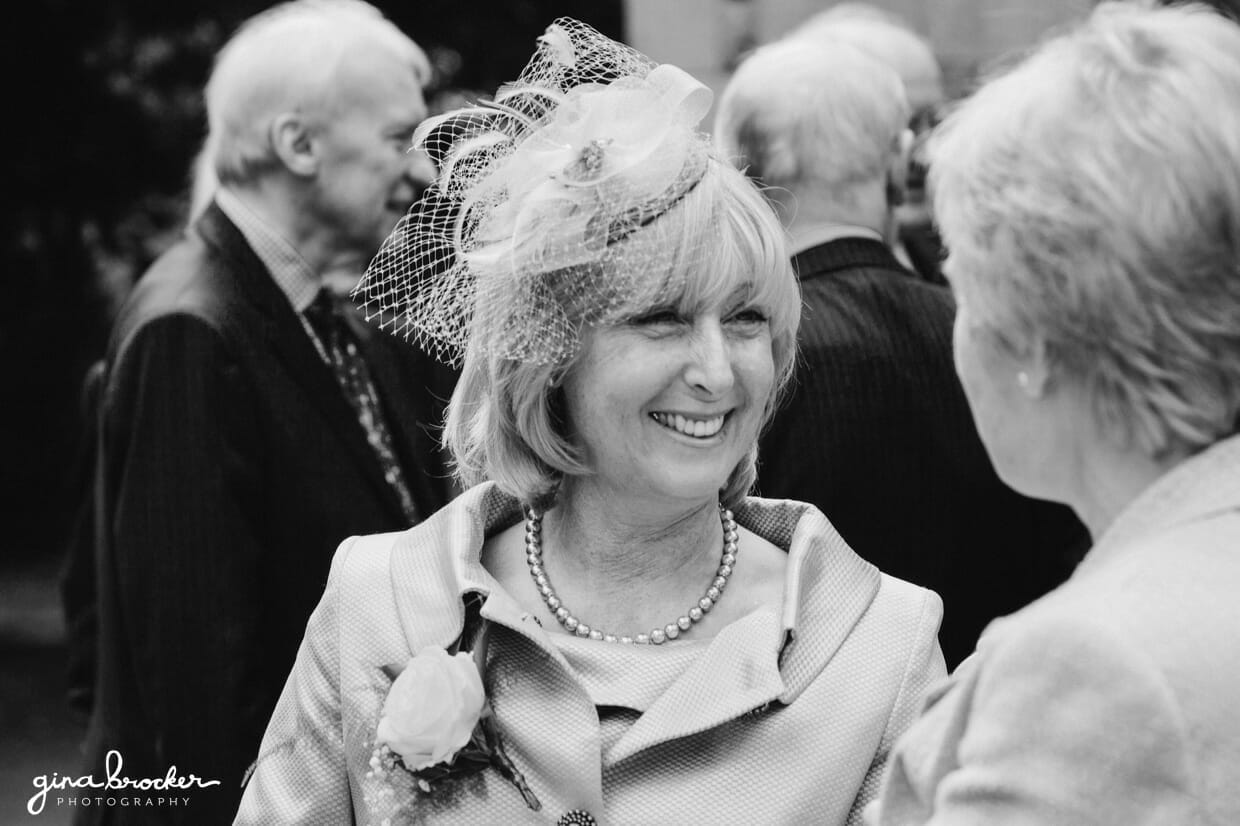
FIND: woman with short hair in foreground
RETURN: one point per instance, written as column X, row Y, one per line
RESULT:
column 1090, row 200
column 604, row 627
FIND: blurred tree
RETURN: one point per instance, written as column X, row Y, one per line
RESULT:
column 108, row 105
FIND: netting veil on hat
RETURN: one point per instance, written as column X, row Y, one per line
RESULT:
column 544, row 215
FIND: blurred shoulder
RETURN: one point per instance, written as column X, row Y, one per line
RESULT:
column 183, row 279
column 1174, row 586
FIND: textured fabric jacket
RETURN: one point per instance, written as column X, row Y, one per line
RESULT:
column 232, row 467
column 745, row 735
column 877, row 434
column 1113, row 700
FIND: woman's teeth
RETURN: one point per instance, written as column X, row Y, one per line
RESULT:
column 698, row 428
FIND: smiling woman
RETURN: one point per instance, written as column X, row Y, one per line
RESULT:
column 623, row 309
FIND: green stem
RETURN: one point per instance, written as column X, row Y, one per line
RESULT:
column 505, row 765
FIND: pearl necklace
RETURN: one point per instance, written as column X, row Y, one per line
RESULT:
column 657, row 636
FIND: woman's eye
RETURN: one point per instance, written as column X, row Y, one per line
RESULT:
column 749, row 315
column 657, row 317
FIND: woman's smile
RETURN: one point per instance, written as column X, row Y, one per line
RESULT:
column 696, row 427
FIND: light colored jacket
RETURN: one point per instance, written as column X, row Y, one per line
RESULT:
column 784, row 718
column 1113, row 700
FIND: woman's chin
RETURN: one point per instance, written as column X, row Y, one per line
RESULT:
column 684, row 487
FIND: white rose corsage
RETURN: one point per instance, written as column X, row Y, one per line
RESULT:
column 437, row 724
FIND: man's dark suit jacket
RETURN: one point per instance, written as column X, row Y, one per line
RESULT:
column 231, row 468
column 877, row 433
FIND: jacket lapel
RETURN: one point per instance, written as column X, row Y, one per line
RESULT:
column 737, row 674
column 429, row 587
column 765, row 658
column 284, row 336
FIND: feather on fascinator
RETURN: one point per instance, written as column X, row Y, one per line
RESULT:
column 543, row 216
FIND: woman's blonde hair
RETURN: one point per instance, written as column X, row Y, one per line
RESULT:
column 1090, row 199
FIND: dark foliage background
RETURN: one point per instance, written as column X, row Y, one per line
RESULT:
column 105, row 118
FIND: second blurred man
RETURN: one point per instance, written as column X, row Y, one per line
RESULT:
column 877, row 432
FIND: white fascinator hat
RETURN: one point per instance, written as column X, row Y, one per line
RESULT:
column 544, row 215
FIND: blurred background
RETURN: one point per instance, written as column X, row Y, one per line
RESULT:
column 105, row 118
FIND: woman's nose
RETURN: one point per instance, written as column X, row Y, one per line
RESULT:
column 709, row 370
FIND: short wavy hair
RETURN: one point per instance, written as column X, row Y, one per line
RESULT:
column 506, row 420
column 885, row 36
column 1090, row 200
column 806, row 113
column 283, row 59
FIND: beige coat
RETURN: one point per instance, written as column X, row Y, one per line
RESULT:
column 1115, row 699
column 746, row 734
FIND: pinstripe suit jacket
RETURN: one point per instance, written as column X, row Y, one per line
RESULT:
column 878, row 435
column 231, row 467
column 832, row 681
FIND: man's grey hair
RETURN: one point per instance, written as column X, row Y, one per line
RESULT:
column 800, row 113
column 281, row 60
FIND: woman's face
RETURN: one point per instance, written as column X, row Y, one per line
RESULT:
column 667, row 404
column 1016, row 427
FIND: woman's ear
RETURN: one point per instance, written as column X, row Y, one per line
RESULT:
column 291, row 139
column 1036, row 376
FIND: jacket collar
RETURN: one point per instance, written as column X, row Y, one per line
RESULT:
column 1201, row 486
column 287, row 268
column 846, row 254
column 764, row 658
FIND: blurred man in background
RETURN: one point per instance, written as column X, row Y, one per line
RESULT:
column 877, row 432
column 889, row 39
column 247, row 424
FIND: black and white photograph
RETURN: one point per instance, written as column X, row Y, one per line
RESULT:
column 633, row 412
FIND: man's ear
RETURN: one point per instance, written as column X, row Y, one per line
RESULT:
column 897, row 168
column 290, row 136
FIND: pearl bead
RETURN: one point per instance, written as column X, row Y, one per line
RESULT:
column 658, row 636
